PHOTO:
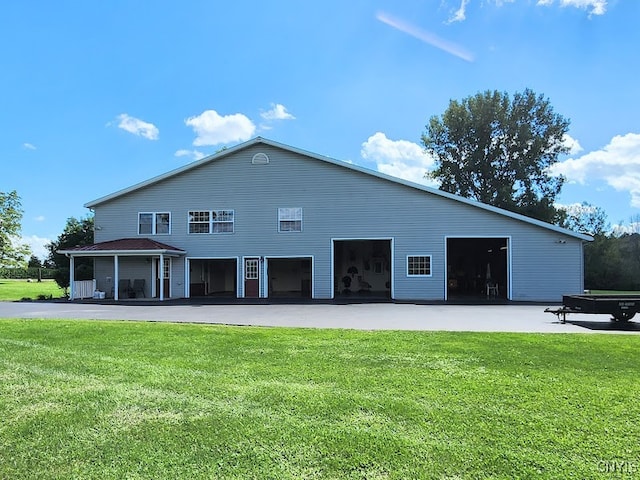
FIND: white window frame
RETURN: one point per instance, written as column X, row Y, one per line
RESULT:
column 196, row 214
column 223, row 212
column 154, row 223
column 419, row 275
column 213, row 221
column 290, row 215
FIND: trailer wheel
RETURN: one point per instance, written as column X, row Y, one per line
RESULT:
column 623, row 316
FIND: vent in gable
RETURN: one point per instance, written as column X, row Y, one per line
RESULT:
column 260, row 159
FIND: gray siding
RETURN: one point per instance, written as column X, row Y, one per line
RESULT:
column 337, row 203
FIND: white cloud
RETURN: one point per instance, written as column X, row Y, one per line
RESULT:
column 598, row 7
column 577, row 209
column 625, row 229
column 573, row 144
column 214, row 129
column 28, row 146
column 195, row 154
column 277, row 112
column 460, row 14
column 618, row 164
column 38, row 245
column 39, row 218
column 137, row 127
column 399, row 158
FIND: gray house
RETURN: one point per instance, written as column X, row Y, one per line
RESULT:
column 266, row 220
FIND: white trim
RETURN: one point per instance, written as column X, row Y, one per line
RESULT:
column 350, row 166
column 408, row 275
column 260, row 263
column 187, row 276
column 260, row 158
column 72, row 272
column 187, row 271
column 480, row 237
column 154, row 277
column 391, row 240
column 212, row 222
column 291, row 220
column 154, row 223
column 189, row 211
column 290, row 257
column 116, row 278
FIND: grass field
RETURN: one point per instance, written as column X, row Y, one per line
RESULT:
column 13, row 290
column 89, row 399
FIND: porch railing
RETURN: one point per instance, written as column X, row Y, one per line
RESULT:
column 83, row 289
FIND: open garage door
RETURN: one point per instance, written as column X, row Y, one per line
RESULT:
column 362, row 268
column 477, row 267
column 290, row 277
column 213, row 277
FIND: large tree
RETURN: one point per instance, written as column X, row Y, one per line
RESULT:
column 12, row 252
column 497, row 150
column 77, row 232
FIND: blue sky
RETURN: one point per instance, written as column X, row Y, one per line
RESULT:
column 97, row 96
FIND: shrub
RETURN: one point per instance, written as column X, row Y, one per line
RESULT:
column 25, row 273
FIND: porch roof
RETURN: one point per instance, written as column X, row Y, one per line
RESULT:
column 123, row 246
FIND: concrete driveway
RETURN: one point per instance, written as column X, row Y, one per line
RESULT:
column 367, row 316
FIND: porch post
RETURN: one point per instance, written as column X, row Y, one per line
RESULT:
column 161, row 276
column 116, row 273
column 72, row 268
column 187, row 279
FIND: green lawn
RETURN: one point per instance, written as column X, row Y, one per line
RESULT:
column 13, row 290
column 94, row 399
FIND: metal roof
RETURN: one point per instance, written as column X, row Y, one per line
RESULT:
column 124, row 246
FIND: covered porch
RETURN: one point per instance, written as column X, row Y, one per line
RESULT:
column 128, row 267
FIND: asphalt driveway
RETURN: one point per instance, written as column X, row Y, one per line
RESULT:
column 366, row 316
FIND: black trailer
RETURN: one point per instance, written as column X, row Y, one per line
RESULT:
column 622, row 308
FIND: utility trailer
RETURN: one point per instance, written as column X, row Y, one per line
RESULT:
column 622, row 308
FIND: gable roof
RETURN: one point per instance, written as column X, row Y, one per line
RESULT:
column 350, row 166
column 124, row 246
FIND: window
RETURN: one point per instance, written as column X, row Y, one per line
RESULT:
column 251, row 269
column 222, row 221
column 145, row 223
column 419, row 265
column 199, row 222
column 213, row 221
column 151, row 223
column 166, row 268
column 290, row 219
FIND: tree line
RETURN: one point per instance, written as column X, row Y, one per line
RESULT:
column 612, row 262
column 14, row 253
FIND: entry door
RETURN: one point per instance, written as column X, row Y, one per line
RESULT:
column 251, row 277
column 164, row 275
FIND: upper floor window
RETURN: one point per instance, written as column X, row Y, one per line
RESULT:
column 290, row 219
column 222, row 221
column 199, row 222
column 419, row 265
column 211, row 221
column 154, row 223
